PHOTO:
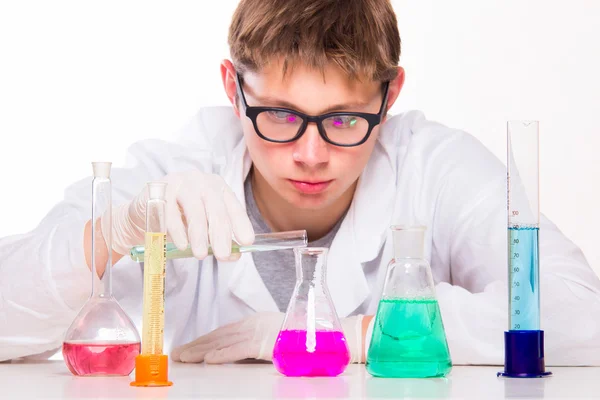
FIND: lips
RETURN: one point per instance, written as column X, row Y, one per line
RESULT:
column 310, row 187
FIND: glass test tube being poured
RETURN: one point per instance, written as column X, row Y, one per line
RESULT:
column 524, row 341
column 262, row 242
column 151, row 366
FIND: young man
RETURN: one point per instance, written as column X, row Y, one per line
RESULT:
column 277, row 160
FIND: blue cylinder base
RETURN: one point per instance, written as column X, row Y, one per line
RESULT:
column 524, row 355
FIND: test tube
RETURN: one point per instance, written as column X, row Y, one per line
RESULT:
column 151, row 366
column 262, row 242
column 524, row 341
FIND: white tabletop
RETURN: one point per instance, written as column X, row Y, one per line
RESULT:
column 51, row 379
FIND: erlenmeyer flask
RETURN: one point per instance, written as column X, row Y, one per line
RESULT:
column 408, row 339
column 311, row 341
column 102, row 340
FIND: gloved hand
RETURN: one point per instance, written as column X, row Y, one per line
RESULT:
column 254, row 337
column 201, row 209
column 353, row 331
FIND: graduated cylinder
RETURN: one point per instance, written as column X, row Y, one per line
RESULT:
column 152, row 364
column 523, row 225
column 523, row 341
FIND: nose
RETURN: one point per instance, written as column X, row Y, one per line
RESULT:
column 311, row 149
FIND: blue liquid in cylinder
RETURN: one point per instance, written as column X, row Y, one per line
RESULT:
column 524, row 295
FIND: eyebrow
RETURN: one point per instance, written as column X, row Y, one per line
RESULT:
column 286, row 104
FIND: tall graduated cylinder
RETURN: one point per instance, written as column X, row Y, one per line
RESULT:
column 523, row 225
column 524, row 341
column 408, row 340
column 152, row 364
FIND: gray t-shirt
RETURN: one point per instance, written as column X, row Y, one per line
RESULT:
column 277, row 268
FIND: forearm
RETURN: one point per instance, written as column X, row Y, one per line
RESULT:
column 475, row 322
column 43, row 282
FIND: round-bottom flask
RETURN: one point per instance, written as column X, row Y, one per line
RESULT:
column 102, row 340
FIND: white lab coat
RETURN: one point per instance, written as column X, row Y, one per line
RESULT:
column 420, row 172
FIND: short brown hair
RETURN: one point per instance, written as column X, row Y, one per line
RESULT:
column 360, row 36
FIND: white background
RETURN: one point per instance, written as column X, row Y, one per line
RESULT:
column 81, row 81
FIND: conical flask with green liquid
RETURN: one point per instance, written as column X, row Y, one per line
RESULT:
column 408, row 339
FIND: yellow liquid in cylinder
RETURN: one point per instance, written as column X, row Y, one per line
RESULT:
column 153, row 320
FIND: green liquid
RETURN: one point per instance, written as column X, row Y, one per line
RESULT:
column 408, row 340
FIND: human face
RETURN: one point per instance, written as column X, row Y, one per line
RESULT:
column 309, row 173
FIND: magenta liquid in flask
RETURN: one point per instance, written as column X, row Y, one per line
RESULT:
column 311, row 341
column 102, row 340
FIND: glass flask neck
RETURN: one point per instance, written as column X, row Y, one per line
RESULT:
column 409, row 274
column 408, row 241
column 101, row 237
column 311, row 265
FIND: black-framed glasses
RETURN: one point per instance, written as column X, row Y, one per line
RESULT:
column 283, row 125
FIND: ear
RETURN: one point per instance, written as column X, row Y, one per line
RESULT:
column 228, row 75
column 395, row 88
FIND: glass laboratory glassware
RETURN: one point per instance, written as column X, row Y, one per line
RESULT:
column 408, row 339
column 151, row 366
column 524, row 341
column 102, row 339
column 262, row 242
column 311, row 341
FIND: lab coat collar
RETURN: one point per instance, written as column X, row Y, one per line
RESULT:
column 358, row 240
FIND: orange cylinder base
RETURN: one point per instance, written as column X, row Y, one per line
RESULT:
column 151, row 370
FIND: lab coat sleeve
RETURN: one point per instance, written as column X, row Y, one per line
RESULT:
column 470, row 235
column 44, row 279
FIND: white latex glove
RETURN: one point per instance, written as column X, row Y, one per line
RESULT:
column 254, row 337
column 352, row 327
column 201, row 209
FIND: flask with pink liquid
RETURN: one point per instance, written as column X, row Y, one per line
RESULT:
column 102, row 340
column 311, row 341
